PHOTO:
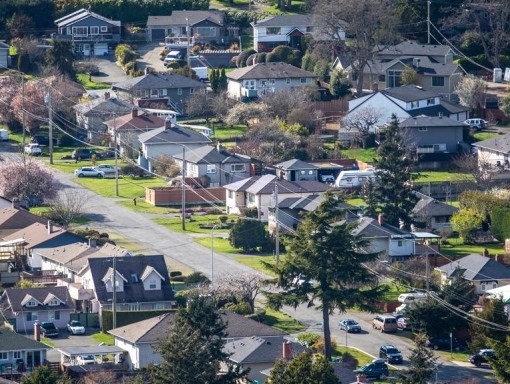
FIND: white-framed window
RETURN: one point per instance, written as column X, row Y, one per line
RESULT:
column 141, row 93
column 438, row 81
column 4, row 355
column 486, row 285
column 439, row 147
column 31, row 316
column 422, row 129
column 54, row 302
column 211, row 168
column 415, row 104
column 230, row 194
column 153, row 284
column 31, row 303
column 206, row 31
column 273, row 30
column 53, row 315
column 431, row 101
column 154, row 92
column 263, row 83
column 17, row 355
column 288, row 80
column 80, row 31
column 104, row 28
column 179, row 91
column 163, row 92
column 94, row 30
column 251, row 197
column 272, row 81
column 302, row 80
column 238, row 168
column 400, row 243
column 393, row 79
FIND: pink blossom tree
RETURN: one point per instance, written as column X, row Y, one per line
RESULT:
column 10, row 86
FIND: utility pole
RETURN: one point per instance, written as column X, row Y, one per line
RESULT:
column 183, row 208
column 114, row 299
column 23, row 108
column 187, row 42
column 427, row 272
column 428, row 22
column 116, row 157
column 48, row 101
column 277, row 229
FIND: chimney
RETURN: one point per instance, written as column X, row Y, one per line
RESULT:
column 168, row 123
column 375, row 87
column 50, row 227
column 287, row 350
column 92, row 243
column 106, row 95
column 37, row 331
column 380, row 219
column 361, row 378
column 134, row 112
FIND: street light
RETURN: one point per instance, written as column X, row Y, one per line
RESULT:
column 215, row 226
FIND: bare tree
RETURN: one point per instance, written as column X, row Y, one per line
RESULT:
column 282, row 102
column 362, row 121
column 67, row 206
column 477, row 166
column 165, row 165
column 471, row 92
column 199, row 105
column 245, row 287
column 221, row 105
column 245, row 113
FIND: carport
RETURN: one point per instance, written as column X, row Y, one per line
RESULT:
column 102, row 353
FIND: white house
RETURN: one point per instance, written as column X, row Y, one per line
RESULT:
column 286, row 30
column 262, row 78
column 494, row 151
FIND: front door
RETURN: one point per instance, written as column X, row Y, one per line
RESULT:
column 86, row 49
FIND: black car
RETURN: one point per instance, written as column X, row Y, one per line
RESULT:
column 374, row 370
column 483, row 356
column 48, row 329
column 391, row 354
column 444, row 343
column 84, row 154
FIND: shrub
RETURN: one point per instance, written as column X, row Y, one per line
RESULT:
column 319, row 345
column 308, row 338
column 239, row 308
column 125, row 54
column 175, row 273
column 181, row 297
column 196, row 278
column 223, row 219
column 132, row 170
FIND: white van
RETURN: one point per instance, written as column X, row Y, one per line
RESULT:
column 4, row 135
column 354, row 179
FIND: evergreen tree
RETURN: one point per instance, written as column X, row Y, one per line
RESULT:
column 501, row 365
column 61, row 56
column 422, row 364
column 248, row 235
column 305, row 368
column 483, row 335
column 368, row 194
column 223, row 80
column 213, row 79
column 394, row 190
column 325, row 251
column 339, row 85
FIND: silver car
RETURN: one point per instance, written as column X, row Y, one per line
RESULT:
column 349, row 325
column 88, row 172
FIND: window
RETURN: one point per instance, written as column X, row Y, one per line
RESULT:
column 80, row 31
column 54, row 302
column 382, row 78
column 154, row 92
column 179, row 91
column 273, row 30
column 485, row 285
column 288, row 80
column 431, row 101
column 238, row 168
column 251, row 197
column 211, row 168
column 3, row 355
column 17, row 355
column 141, row 93
column 263, row 83
column 302, row 80
column 94, row 30
column 152, row 284
column 134, row 278
column 191, row 91
column 415, row 104
column 104, row 28
column 400, row 243
column 31, row 304
column 162, row 92
column 53, row 315
column 230, row 194
column 31, row 316
column 439, row 147
column 302, row 172
column 423, row 129
column 393, row 79
column 271, row 81
column 310, row 172
column 206, row 31
column 159, row 306
column 438, row 81
column 309, row 29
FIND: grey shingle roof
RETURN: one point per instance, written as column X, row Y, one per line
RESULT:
column 265, row 185
column 444, row 107
column 11, row 341
column 83, row 14
column 369, row 227
column 133, row 291
column 101, row 106
column 167, row 80
column 497, row 143
column 430, row 122
column 176, row 134
column 14, row 218
column 37, row 234
column 427, row 66
column 415, row 49
column 269, row 71
column 16, row 295
column 295, row 164
column 307, row 203
column 476, row 267
column 428, row 207
column 194, row 17
column 286, row 21
column 256, row 350
column 210, row 155
column 409, row 93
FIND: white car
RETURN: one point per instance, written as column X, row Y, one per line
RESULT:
column 86, row 360
column 478, row 124
column 75, row 328
column 106, row 168
column 88, row 172
column 33, row 149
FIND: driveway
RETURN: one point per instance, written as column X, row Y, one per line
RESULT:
column 109, row 71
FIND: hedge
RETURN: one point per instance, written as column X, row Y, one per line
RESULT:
column 500, row 223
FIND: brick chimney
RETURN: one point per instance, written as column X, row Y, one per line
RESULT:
column 168, row 123
column 37, row 331
column 287, row 350
column 50, row 227
column 134, row 112
column 106, row 95
column 380, row 219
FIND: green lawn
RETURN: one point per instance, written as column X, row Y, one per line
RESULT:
column 282, row 321
column 365, row 155
column 129, row 187
column 41, row 211
column 255, row 262
column 456, row 248
column 101, row 337
column 144, row 207
column 228, row 132
column 220, row 245
column 394, row 290
column 356, row 201
column 435, row 176
column 48, row 342
column 175, row 223
column 362, row 357
column 455, row 356
column 83, row 79
column 479, row 136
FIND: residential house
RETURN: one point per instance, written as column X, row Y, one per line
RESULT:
column 154, row 90
column 22, row 307
column 286, row 30
column 39, row 236
column 259, row 354
column 169, row 140
column 125, row 130
column 91, row 34
column 140, row 338
column 13, row 219
column 292, row 170
column 259, row 79
column 258, row 191
column 501, row 293
column 92, row 115
column 434, row 140
column 190, row 27
column 494, row 152
column 435, row 214
column 19, row 353
column 4, row 55
column 482, row 272
column 218, row 165
column 142, row 283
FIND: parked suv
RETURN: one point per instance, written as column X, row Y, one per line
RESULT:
column 84, row 153
column 391, row 354
column 478, row 124
column 443, row 343
column 374, row 370
column 385, row 323
column 48, row 329
column 483, row 356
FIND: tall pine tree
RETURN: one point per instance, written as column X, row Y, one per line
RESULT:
column 394, row 192
column 422, row 363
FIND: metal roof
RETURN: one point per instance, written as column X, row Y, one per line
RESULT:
column 93, row 350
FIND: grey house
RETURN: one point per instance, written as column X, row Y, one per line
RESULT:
column 435, row 214
column 159, row 89
column 16, row 348
column 92, row 115
column 295, row 169
column 494, row 151
column 22, row 307
column 91, row 34
column 258, row 79
column 219, row 165
column 4, row 55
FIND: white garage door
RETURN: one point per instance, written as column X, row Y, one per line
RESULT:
column 101, row 49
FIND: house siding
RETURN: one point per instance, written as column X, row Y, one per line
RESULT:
column 450, row 136
column 150, row 151
column 23, row 325
column 238, row 89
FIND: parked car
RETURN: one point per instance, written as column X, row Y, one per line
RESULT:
column 404, row 324
column 48, row 329
column 327, row 178
column 75, row 328
column 33, row 149
column 84, row 153
column 349, row 325
column 385, row 323
column 4, row 135
column 108, row 153
column 106, row 168
column 444, row 343
column 478, row 124
column 88, row 172
column 391, row 354
column 484, row 356
column 377, row 369
column 86, row 360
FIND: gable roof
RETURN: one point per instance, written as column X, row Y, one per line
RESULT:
column 155, row 80
column 413, row 48
column 256, row 350
column 16, row 297
column 15, row 219
column 428, row 207
column 155, row 328
column 278, row 70
column 12, row 341
column 83, row 14
column 409, row 93
column 286, row 21
column 101, row 106
column 426, row 66
column 476, row 267
column 295, row 164
column 369, row 227
column 194, row 17
column 136, row 120
column 37, row 234
column 265, row 185
column 174, row 135
column 430, row 122
column 126, row 267
column 210, row 155
column 496, row 144
column 444, row 108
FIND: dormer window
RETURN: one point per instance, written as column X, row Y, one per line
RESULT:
column 431, row 101
column 134, row 278
column 54, row 302
column 153, row 284
column 31, row 304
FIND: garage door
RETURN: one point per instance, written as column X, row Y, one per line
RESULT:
column 157, row 35
column 100, row 49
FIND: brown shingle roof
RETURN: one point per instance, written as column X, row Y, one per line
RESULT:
column 13, row 218
column 269, row 71
column 38, row 233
